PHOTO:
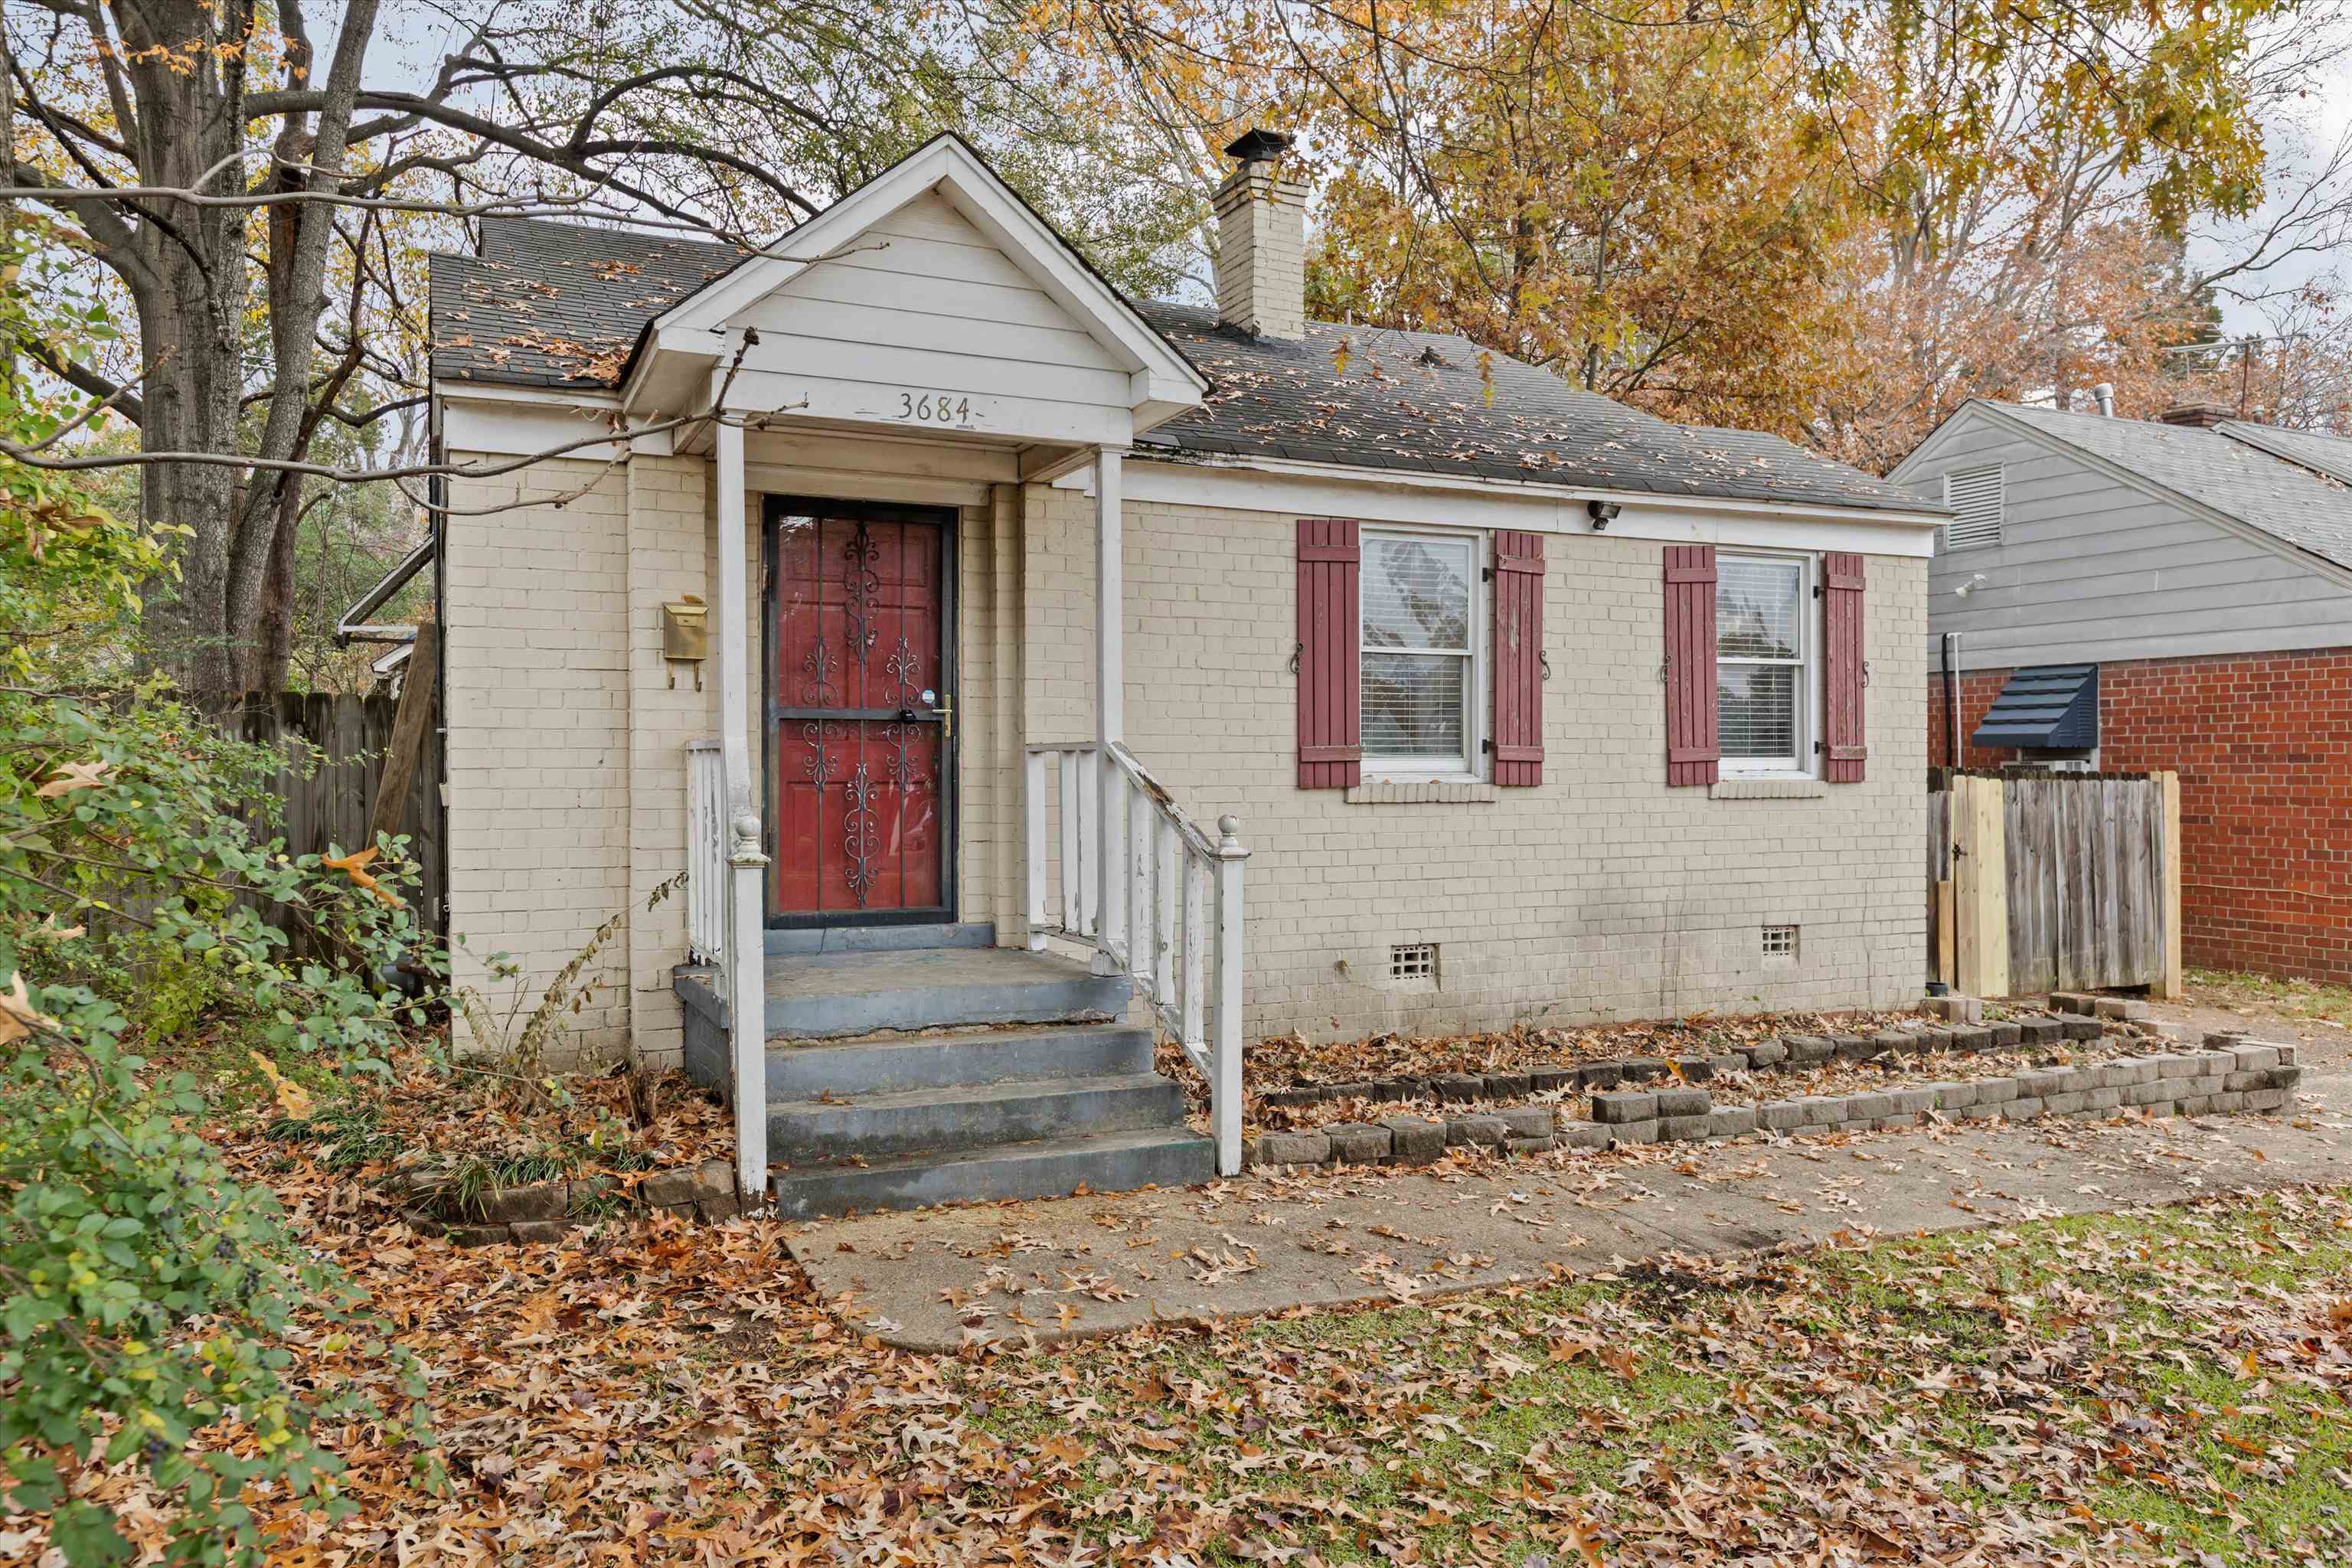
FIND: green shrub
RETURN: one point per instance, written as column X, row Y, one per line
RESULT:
column 146, row 1292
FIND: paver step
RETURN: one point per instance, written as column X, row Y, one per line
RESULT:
column 881, row 939
column 890, row 1064
column 1105, row 1162
column 833, row 995
column 969, row 1116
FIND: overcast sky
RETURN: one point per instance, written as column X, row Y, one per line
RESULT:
column 2320, row 121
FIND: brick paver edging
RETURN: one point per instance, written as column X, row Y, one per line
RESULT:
column 1789, row 1052
column 2234, row 1074
column 549, row 1211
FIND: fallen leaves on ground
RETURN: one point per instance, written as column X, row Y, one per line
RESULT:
column 2118, row 1389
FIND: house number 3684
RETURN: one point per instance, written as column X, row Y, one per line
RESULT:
column 935, row 407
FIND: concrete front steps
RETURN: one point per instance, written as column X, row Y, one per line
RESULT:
column 900, row 1076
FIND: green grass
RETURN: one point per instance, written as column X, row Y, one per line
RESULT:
column 2089, row 1373
column 2289, row 998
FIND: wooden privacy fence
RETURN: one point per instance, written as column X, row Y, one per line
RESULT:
column 336, row 803
column 2054, row 881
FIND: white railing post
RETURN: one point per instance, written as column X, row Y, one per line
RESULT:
column 1088, row 813
column 1193, row 998
column 1173, row 882
column 1142, row 816
column 747, row 1002
column 1167, row 883
column 706, row 853
column 1033, row 785
column 1225, row 1080
column 1110, row 705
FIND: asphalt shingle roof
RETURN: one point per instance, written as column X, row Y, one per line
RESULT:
column 559, row 304
column 1372, row 398
column 2331, row 455
column 2286, row 499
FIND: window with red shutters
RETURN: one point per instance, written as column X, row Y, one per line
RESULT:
column 1692, row 754
column 1518, row 676
column 1844, row 738
column 1330, row 697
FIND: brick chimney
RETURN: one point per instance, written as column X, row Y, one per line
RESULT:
column 2203, row 416
column 1262, row 241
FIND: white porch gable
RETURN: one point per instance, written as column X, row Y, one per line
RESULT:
column 932, row 301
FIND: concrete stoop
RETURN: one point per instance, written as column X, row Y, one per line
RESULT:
column 901, row 1076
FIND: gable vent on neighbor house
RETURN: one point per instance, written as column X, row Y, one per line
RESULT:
column 1977, row 499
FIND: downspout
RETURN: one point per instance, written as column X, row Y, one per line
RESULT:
column 1951, row 656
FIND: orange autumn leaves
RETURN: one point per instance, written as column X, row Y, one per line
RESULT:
column 354, row 866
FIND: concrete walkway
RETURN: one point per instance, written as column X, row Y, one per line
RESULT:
column 1072, row 1266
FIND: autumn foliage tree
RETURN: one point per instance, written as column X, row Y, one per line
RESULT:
column 1833, row 218
column 257, row 185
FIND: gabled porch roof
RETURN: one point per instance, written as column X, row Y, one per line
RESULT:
column 1014, row 368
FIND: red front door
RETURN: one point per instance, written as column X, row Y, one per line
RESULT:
column 861, row 701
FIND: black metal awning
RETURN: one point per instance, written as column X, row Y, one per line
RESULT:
column 2052, row 707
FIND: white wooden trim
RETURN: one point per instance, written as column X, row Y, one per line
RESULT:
column 1813, row 613
column 518, row 428
column 1110, row 692
column 974, row 190
column 863, row 484
column 1448, row 501
column 1472, row 765
column 746, row 934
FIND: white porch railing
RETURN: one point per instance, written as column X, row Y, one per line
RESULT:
column 1126, row 873
column 706, row 852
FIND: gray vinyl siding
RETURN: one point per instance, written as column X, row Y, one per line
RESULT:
column 2092, row 570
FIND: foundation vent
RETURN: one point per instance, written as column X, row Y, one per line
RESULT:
column 1779, row 945
column 1413, row 964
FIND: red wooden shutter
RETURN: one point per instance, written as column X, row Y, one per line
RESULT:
column 1848, row 673
column 1518, row 659
column 1692, row 751
column 1330, row 697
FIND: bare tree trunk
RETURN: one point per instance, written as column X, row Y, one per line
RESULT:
column 192, row 329
column 273, row 650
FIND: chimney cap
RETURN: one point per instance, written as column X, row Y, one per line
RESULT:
column 1251, row 146
column 2201, row 416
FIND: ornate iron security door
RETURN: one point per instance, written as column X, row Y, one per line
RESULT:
column 861, row 704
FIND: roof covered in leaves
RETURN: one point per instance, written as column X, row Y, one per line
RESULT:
column 560, row 305
column 2263, row 484
column 1436, row 402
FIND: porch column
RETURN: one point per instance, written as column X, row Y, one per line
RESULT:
column 1110, row 704
column 746, row 922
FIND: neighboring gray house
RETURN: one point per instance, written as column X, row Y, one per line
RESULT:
column 2163, row 594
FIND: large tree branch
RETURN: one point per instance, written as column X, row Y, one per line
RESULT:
column 77, row 374
column 559, row 156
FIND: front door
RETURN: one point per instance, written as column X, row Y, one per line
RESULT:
column 861, row 702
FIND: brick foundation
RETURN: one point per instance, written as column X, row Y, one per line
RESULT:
column 2264, row 746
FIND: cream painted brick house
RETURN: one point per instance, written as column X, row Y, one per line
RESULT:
column 1502, row 702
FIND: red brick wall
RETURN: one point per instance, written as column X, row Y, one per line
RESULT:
column 2264, row 746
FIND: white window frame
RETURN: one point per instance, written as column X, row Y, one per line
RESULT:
column 1805, row 764
column 1470, row 768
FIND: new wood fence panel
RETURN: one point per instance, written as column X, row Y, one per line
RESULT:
column 1939, row 872
column 2085, row 888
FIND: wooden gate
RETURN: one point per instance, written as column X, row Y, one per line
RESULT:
column 2056, row 882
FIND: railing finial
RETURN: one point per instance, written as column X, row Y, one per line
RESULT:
column 1229, row 843
column 746, row 827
